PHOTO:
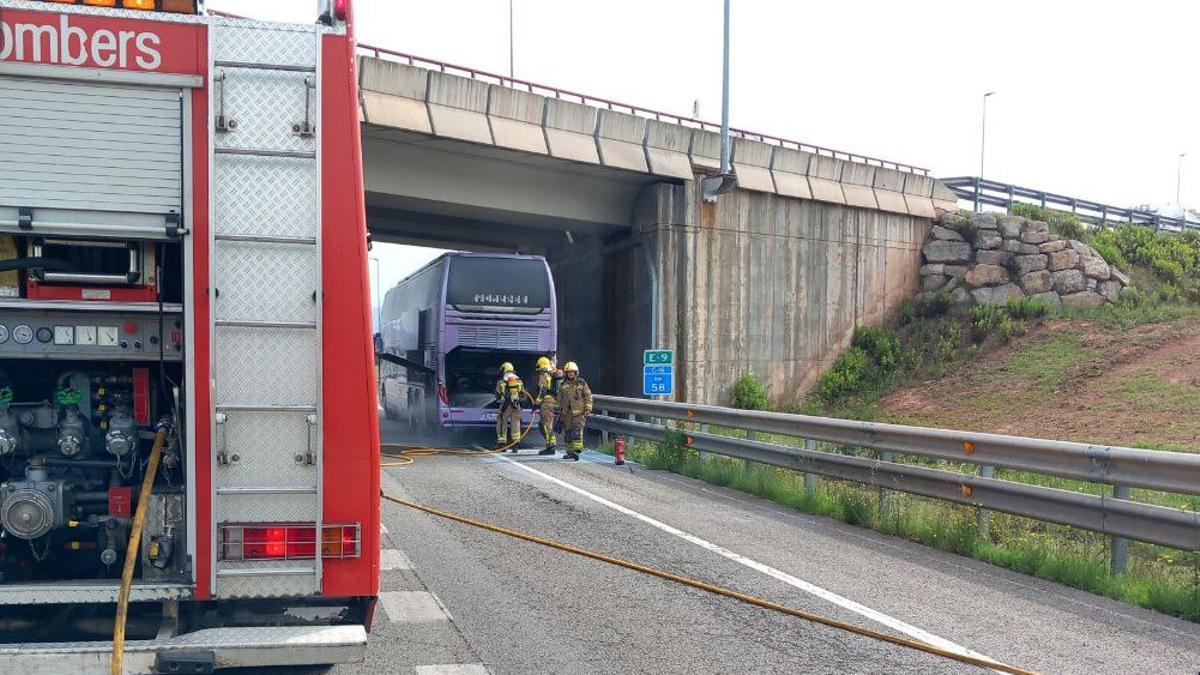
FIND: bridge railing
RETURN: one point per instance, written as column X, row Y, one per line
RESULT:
column 994, row 193
column 640, row 111
column 1121, row 467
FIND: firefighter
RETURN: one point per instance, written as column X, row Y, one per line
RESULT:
column 506, row 369
column 508, row 422
column 546, row 389
column 575, row 404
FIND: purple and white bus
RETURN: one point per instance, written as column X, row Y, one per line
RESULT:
column 446, row 329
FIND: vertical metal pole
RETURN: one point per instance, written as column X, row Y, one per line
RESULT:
column 886, row 505
column 1120, row 545
column 982, row 147
column 984, row 523
column 725, row 99
column 510, row 39
column 810, row 481
column 604, row 433
column 701, row 454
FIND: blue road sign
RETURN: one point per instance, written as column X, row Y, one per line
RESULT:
column 658, row 380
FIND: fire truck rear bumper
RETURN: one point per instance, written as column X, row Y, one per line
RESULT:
column 207, row 648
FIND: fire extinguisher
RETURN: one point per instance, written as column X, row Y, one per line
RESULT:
column 619, row 450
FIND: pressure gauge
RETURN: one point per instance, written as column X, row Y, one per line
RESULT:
column 3, row 333
column 23, row 334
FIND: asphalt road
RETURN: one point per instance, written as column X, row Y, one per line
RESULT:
column 456, row 599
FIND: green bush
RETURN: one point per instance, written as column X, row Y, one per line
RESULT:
column 1173, row 258
column 880, row 345
column 846, row 376
column 1028, row 308
column 1063, row 223
column 750, row 394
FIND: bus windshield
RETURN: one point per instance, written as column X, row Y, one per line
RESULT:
column 510, row 285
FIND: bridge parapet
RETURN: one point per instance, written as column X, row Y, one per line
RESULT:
column 411, row 98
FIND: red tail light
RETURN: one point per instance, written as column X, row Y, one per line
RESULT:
column 341, row 9
column 443, row 395
column 288, row 541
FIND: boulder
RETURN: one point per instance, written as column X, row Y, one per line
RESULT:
column 1010, row 226
column 1081, row 248
column 933, row 282
column 1062, row 260
column 943, row 251
column 1092, row 283
column 984, row 221
column 997, row 295
column 986, row 275
column 946, row 233
column 1096, row 268
column 1110, row 290
column 1053, row 246
column 960, row 295
column 932, row 268
column 1037, row 226
column 1118, row 275
column 1030, row 263
column 1069, row 281
column 1086, row 299
column 956, row 271
column 1055, row 237
column 1030, row 237
column 993, row 257
column 1050, row 298
column 1014, row 246
column 1037, row 282
column 988, row 239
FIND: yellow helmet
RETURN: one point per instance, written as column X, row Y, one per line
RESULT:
column 544, row 363
column 506, row 367
column 571, row 367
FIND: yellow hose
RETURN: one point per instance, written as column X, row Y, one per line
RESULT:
column 131, row 553
column 408, row 453
column 719, row 590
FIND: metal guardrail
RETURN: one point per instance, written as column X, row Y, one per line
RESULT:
column 993, row 193
column 588, row 99
column 1165, row 471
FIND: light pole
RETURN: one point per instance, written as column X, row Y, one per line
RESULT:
column 1178, row 184
column 510, row 38
column 378, row 301
column 982, row 148
column 726, row 181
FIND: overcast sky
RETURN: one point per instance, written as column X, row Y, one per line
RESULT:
column 1093, row 99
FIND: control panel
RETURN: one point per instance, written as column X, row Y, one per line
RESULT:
column 91, row 335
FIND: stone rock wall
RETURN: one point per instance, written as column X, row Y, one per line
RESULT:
column 983, row 259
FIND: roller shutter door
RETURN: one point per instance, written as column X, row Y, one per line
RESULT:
column 89, row 148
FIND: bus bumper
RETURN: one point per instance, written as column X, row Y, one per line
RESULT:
column 196, row 652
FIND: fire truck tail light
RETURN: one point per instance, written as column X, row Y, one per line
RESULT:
column 341, row 9
column 138, row 4
column 289, row 541
column 101, row 3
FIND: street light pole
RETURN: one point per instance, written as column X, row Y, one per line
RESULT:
column 1178, row 184
column 510, row 38
column 726, row 181
column 982, row 148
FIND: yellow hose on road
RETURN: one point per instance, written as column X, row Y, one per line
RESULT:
column 719, row 590
column 409, row 453
column 131, row 553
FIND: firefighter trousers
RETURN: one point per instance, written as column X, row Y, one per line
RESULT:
column 508, row 425
column 573, row 425
column 546, row 421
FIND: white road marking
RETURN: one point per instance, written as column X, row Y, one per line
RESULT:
column 829, row 596
column 453, row 669
column 393, row 559
column 413, row 607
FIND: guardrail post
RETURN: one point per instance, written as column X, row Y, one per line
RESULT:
column 983, row 524
column 810, row 481
column 886, row 504
column 700, row 453
column 976, row 180
column 604, row 433
column 1120, row 545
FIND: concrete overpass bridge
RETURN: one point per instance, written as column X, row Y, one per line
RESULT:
column 771, row 279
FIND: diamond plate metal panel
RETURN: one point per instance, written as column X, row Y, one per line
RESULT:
column 279, row 45
column 89, row 592
column 267, row 444
column 266, row 105
column 267, row 366
column 264, row 585
column 259, row 508
column 273, row 197
column 266, row 282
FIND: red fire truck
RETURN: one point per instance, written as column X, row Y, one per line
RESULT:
column 184, row 306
